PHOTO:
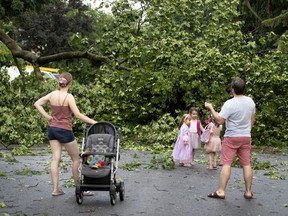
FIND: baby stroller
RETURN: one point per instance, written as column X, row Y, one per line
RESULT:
column 100, row 155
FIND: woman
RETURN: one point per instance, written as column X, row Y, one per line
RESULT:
column 60, row 128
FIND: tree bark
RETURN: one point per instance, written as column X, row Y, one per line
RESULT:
column 34, row 59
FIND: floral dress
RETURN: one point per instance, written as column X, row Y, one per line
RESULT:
column 182, row 153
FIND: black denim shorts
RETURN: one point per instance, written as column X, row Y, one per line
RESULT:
column 60, row 134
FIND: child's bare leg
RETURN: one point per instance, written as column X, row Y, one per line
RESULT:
column 210, row 160
column 193, row 156
column 215, row 160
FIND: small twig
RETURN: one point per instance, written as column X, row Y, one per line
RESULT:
column 29, row 186
column 159, row 189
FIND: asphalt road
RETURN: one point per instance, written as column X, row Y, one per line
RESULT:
column 182, row 191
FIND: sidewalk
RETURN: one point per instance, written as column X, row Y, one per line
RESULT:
column 182, row 191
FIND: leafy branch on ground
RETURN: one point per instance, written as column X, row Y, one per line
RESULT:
column 29, row 172
column 69, row 183
column 3, row 205
column 131, row 166
column 3, row 174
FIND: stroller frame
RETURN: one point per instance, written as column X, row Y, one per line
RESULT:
column 109, row 181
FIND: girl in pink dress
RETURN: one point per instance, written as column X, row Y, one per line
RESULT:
column 214, row 144
column 182, row 152
column 195, row 130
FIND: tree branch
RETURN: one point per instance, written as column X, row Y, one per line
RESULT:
column 251, row 9
column 34, row 59
column 16, row 50
column 72, row 55
column 275, row 21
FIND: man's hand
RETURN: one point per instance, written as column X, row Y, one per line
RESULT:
column 218, row 118
column 208, row 105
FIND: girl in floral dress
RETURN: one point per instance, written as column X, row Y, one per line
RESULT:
column 182, row 152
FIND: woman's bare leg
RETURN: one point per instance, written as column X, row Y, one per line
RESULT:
column 73, row 151
column 56, row 149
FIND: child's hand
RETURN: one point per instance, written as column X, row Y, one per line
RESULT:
column 88, row 151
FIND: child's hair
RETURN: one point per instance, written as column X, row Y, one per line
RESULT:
column 208, row 120
column 185, row 138
column 184, row 117
column 214, row 121
column 64, row 79
column 193, row 109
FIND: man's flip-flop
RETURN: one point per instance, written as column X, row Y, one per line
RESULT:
column 215, row 195
column 58, row 193
column 248, row 197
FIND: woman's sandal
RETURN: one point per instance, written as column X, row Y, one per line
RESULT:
column 88, row 193
column 58, row 193
column 215, row 195
column 248, row 197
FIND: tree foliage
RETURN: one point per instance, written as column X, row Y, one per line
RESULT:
column 157, row 59
column 262, row 17
column 48, row 31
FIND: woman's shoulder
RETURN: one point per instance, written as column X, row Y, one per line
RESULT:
column 70, row 96
column 51, row 94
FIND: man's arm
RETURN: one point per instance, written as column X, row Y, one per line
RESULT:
column 252, row 120
column 215, row 114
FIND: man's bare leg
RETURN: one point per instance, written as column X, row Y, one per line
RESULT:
column 224, row 178
column 248, row 176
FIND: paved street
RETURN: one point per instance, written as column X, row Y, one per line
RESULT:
column 182, row 191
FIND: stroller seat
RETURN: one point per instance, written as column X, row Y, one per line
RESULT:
column 89, row 172
column 97, row 149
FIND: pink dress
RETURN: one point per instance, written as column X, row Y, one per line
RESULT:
column 194, row 133
column 214, row 144
column 182, row 153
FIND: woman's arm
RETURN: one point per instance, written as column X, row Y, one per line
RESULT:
column 39, row 106
column 76, row 112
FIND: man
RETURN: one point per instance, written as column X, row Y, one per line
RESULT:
column 238, row 114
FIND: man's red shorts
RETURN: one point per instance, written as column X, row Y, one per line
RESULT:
column 241, row 146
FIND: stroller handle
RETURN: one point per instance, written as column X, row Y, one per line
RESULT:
column 87, row 126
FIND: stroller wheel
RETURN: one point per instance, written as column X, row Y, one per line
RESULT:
column 122, row 191
column 112, row 199
column 79, row 198
column 79, row 194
